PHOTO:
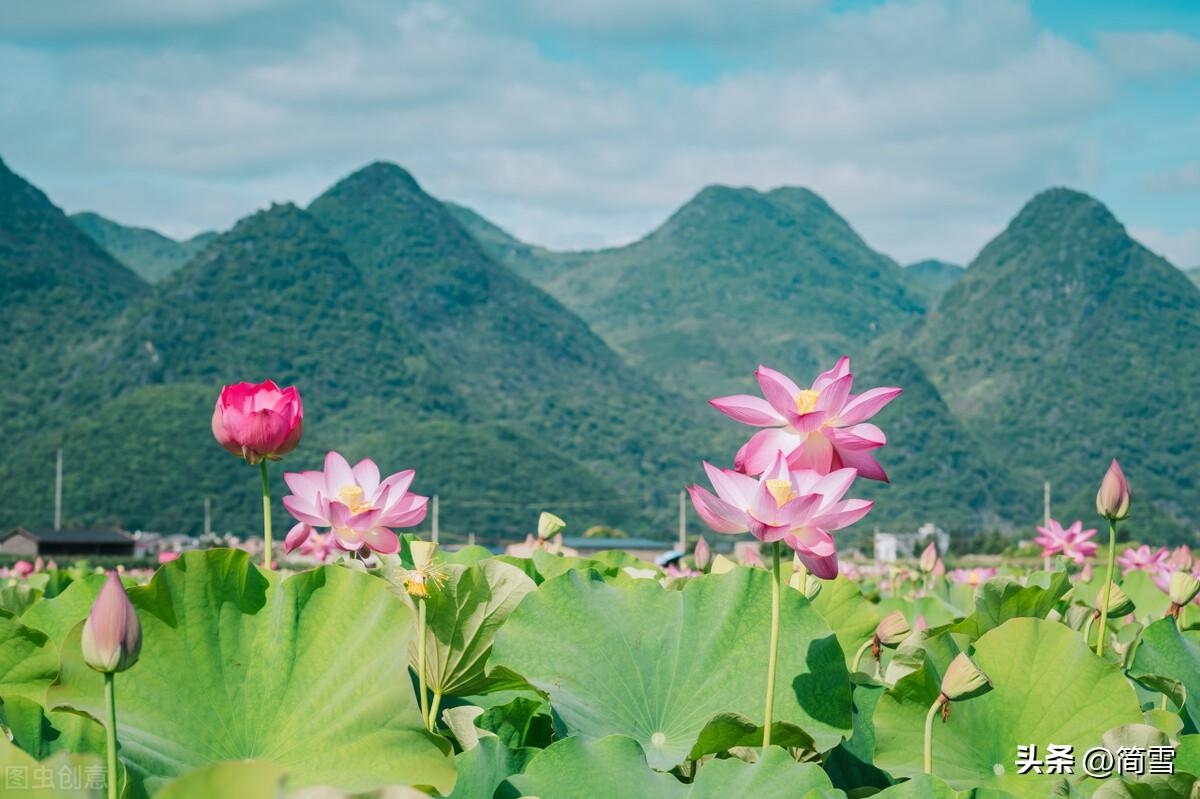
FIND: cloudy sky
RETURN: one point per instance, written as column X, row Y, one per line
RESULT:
column 578, row 123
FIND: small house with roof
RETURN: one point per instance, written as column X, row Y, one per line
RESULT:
column 34, row 542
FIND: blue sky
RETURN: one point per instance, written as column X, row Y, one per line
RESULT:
column 927, row 123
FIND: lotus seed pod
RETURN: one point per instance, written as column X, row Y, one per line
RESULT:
column 1119, row 603
column 892, row 629
column 549, row 525
column 1184, row 588
column 964, row 680
column 423, row 553
column 112, row 634
column 1112, row 500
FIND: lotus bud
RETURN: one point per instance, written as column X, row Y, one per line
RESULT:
column 939, row 569
column 929, row 558
column 112, row 634
column 1119, row 603
column 549, row 525
column 964, row 680
column 1112, row 500
column 702, row 554
column 1184, row 588
column 892, row 629
column 722, row 564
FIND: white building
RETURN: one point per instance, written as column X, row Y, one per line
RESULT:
column 890, row 547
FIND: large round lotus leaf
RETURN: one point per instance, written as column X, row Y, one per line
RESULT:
column 639, row 660
column 1049, row 688
column 241, row 778
column 42, row 733
column 777, row 774
column 63, row 776
column 237, row 664
column 851, row 617
column 57, row 615
column 485, row 765
column 1166, row 651
column 28, row 660
column 462, row 616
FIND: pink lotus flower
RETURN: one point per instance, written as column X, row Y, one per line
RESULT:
column 972, row 577
column 821, row 427
column 167, row 557
column 354, row 504
column 258, row 421
column 1072, row 542
column 112, row 634
column 1144, row 559
column 799, row 508
column 22, row 568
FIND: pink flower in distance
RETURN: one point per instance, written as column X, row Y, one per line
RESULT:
column 822, row 427
column 1071, row 542
column 22, row 568
column 356, row 506
column 258, row 421
column 167, row 557
column 972, row 577
column 1144, row 559
column 319, row 547
column 800, row 508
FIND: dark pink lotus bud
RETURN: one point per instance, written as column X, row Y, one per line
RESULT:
column 702, row 554
column 112, row 634
column 258, row 421
column 1112, row 500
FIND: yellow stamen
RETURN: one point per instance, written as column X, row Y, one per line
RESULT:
column 806, row 400
column 781, row 490
column 352, row 497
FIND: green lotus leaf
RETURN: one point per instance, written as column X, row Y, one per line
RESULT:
column 28, row 660
column 1187, row 755
column 1002, row 598
column 777, row 774
column 42, row 733
column 462, row 618
column 521, row 722
column 16, row 598
column 657, row 664
column 851, row 617
column 1049, row 688
column 850, row 764
column 482, row 768
column 933, row 609
column 1167, row 652
column 921, row 786
column 56, row 616
column 62, row 776
column 1175, row 786
column 242, row 778
column 238, row 664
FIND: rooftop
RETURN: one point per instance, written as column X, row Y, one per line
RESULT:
column 71, row 536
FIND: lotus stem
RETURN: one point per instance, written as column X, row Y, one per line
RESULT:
column 774, row 649
column 933, row 709
column 433, row 710
column 858, row 655
column 421, row 661
column 266, row 515
column 110, row 706
column 1112, row 556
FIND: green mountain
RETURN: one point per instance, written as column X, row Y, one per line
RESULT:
column 57, row 285
column 1194, row 274
column 147, row 252
column 511, row 348
column 734, row 278
column 1066, row 343
column 936, row 277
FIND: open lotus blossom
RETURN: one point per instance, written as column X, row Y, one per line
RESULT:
column 799, row 507
column 972, row 577
column 258, row 421
column 356, row 506
column 1143, row 559
column 822, row 427
column 1071, row 542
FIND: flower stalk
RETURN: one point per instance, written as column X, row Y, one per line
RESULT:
column 110, row 709
column 772, row 655
column 1108, row 585
column 933, row 709
column 421, row 661
column 266, row 494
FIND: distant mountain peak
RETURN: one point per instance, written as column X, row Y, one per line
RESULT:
column 1066, row 210
column 380, row 177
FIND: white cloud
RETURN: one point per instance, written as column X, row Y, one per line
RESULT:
column 926, row 122
column 1158, row 54
column 1180, row 179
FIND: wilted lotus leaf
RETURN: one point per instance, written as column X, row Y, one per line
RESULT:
column 1048, row 688
column 639, row 660
column 237, row 663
